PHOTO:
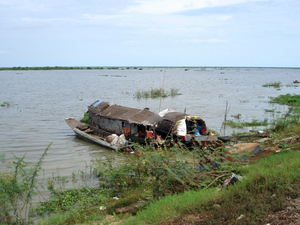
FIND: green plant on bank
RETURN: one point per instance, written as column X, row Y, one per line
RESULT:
column 265, row 187
column 80, row 199
column 254, row 123
column 286, row 121
column 5, row 104
column 164, row 170
column 147, row 174
column 157, row 93
column 293, row 114
column 17, row 187
column 273, row 84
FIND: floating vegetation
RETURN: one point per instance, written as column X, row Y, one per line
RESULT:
column 254, row 123
column 5, row 104
column 292, row 85
column 244, row 101
column 288, row 99
column 157, row 93
column 274, row 84
column 112, row 75
column 269, row 110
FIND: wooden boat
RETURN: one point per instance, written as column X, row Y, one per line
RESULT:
column 125, row 125
column 113, row 126
column 296, row 81
column 85, row 132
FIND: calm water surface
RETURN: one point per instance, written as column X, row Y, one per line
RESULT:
column 40, row 100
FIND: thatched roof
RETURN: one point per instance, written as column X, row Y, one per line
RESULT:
column 174, row 116
column 131, row 115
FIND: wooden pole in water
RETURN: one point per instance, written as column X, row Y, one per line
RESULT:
column 162, row 89
column 225, row 118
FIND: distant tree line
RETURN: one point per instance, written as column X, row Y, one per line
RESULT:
column 64, row 68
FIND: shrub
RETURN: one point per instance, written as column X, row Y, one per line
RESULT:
column 17, row 186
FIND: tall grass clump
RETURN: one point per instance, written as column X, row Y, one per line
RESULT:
column 157, row 93
column 293, row 114
column 253, row 123
column 159, row 169
column 273, row 84
column 18, row 185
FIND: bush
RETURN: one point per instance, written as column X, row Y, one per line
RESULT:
column 17, row 187
column 163, row 170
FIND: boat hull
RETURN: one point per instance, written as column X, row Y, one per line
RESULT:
column 88, row 136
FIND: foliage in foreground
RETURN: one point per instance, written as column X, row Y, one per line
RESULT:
column 265, row 187
column 148, row 174
column 17, row 187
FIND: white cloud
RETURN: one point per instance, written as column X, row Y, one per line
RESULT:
column 172, row 6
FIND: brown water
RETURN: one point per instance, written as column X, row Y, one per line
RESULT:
column 40, row 100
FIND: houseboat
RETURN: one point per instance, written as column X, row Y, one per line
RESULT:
column 116, row 127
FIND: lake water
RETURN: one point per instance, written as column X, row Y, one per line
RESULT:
column 40, row 100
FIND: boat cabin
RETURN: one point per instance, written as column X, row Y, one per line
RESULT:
column 180, row 125
column 106, row 118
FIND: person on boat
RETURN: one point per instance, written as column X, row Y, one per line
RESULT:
column 150, row 134
column 142, row 131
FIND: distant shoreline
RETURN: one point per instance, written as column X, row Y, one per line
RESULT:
column 131, row 67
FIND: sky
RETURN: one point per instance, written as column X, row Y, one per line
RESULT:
column 225, row 33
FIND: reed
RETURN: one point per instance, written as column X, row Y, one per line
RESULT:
column 273, row 84
column 157, row 93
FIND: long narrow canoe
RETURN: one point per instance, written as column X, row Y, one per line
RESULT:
column 82, row 131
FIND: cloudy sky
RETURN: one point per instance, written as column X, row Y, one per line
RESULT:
column 150, row 33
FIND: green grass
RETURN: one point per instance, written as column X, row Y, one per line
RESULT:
column 85, row 118
column 254, row 197
column 170, row 207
